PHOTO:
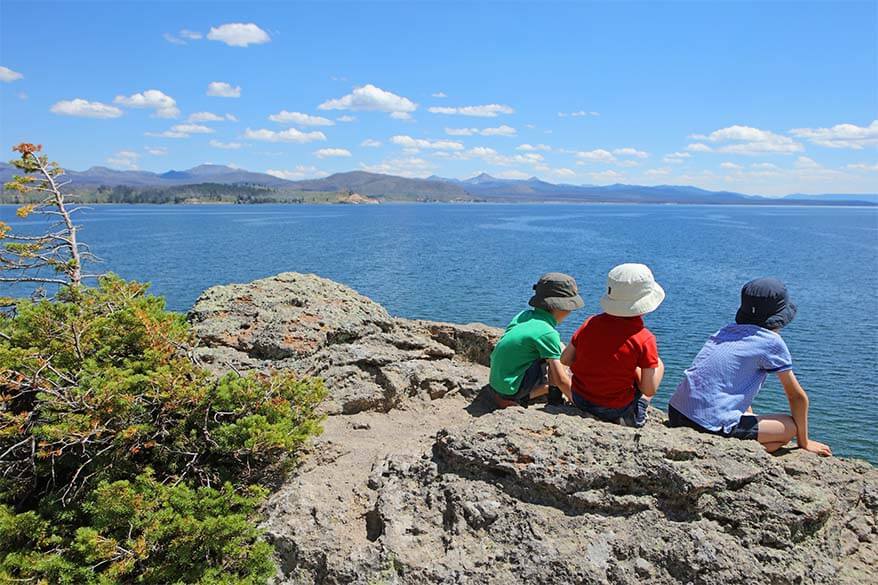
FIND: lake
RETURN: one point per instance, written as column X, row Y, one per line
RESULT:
column 472, row 262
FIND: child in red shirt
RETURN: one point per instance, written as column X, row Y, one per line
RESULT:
column 613, row 356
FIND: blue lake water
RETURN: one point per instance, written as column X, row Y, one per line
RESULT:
column 477, row 263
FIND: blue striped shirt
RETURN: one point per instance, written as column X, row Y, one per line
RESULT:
column 728, row 373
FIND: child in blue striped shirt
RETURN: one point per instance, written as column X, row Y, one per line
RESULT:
column 718, row 390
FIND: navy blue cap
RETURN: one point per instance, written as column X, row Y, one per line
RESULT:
column 765, row 302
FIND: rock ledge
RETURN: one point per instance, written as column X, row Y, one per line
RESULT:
column 416, row 480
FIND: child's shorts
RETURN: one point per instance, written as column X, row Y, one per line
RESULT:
column 747, row 428
column 632, row 415
column 535, row 376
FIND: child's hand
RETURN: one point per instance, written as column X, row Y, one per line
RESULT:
column 819, row 448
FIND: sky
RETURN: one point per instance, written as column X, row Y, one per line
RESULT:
column 766, row 97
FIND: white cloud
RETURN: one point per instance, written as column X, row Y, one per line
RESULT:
column 288, row 135
column 512, row 174
column 563, row 172
column 533, row 147
column 659, row 172
column 461, row 131
column 863, row 167
column 841, row 135
column 8, row 75
column 181, row 37
column 332, row 152
column 369, row 98
column 183, row 131
column 577, row 114
column 676, row 157
column 223, row 89
column 630, row 152
column 163, row 105
column 747, row 140
column 156, row 150
column 173, row 39
column 805, row 175
column 210, row 117
column 598, row 155
column 204, row 117
column 346, row 118
column 238, row 34
column 608, row 176
column 400, row 115
column 502, row 130
column 192, row 128
column 167, row 134
column 300, row 119
column 485, row 111
column 85, row 109
column 699, row 147
column 124, row 159
column 402, row 167
column 491, row 156
column 225, row 145
column 439, row 94
column 370, row 143
column 803, row 162
column 419, row 143
column 297, row 173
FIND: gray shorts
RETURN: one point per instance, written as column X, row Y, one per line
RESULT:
column 747, row 428
column 535, row 376
column 632, row 415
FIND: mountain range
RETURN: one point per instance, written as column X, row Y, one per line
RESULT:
column 482, row 187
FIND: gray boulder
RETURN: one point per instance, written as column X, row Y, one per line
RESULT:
column 317, row 327
column 417, row 480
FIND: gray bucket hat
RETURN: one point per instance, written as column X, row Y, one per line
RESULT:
column 556, row 291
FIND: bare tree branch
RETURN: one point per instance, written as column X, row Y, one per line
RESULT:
column 60, row 249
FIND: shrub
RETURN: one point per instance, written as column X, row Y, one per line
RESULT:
column 122, row 459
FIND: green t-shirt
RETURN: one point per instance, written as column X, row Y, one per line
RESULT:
column 530, row 336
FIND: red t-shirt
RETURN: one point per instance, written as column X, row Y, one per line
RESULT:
column 608, row 349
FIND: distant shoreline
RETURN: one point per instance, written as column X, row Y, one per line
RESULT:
column 779, row 203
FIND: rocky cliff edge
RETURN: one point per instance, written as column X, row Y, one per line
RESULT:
column 417, row 480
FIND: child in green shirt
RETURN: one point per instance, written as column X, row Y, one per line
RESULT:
column 527, row 359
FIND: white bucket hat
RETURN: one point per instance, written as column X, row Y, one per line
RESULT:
column 631, row 291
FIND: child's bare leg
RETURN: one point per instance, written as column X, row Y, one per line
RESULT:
column 776, row 430
column 539, row 391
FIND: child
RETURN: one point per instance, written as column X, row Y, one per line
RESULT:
column 526, row 360
column 727, row 374
column 613, row 356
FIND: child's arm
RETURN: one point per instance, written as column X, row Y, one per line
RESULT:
column 798, row 400
column 558, row 376
column 569, row 355
column 650, row 378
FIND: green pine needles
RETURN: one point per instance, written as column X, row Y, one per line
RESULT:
column 121, row 459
